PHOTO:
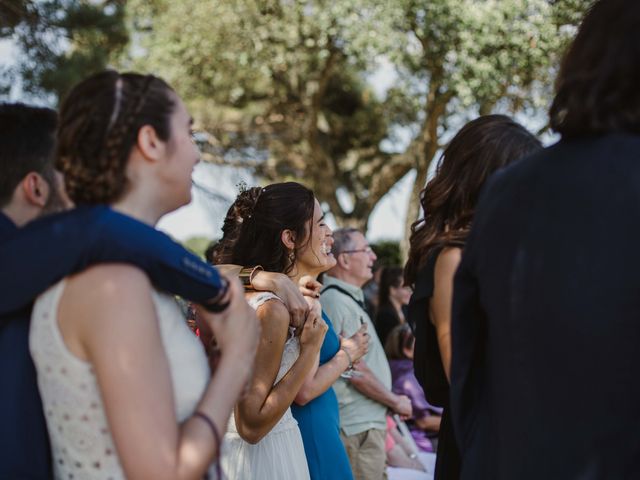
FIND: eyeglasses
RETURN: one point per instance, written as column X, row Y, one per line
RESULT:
column 367, row 250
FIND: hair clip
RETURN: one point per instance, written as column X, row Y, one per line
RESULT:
column 116, row 104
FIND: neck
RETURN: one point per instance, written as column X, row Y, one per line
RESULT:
column 142, row 207
column 298, row 272
column 397, row 305
column 20, row 215
column 346, row 277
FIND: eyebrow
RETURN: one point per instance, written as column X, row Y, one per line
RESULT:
column 190, row 121
column 321, row 218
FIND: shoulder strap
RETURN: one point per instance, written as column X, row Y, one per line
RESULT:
column 344, row 292
column 263, row 297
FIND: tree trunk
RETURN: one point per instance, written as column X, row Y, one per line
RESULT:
column 413, row 209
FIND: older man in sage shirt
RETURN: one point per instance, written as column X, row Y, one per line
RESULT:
column 365, row 398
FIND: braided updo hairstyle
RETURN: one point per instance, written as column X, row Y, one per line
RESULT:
column 254, row 223
column 99, row 124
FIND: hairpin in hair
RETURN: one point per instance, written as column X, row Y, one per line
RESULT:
column 116, row 104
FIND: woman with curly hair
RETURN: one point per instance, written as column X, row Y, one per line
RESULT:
column 448, row 202
column 126, row 387
column 281, row 228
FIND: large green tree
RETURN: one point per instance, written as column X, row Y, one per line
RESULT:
column 283, row 86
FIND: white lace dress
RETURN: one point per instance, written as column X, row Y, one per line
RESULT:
column 280, row 453
column 82, row 446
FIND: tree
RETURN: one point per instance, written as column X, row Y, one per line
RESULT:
column 60, row 42
column 282, row 86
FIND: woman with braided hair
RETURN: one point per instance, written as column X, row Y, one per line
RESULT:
column 126, row 387
column 281, row 227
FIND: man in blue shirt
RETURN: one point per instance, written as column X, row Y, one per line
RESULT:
column 29, row 187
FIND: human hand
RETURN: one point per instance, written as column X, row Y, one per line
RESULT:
column 313, row 333
column 236, row 329
column 357, row 345
column 309, row 286
column 402, row 406
column 288, row 292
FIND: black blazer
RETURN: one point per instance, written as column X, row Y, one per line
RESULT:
column 546, row 318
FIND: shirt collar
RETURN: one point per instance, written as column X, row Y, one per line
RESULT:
column 356, row 292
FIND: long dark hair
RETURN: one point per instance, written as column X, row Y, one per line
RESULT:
column 449, row 200
column 99, row 124
column 390, row 277
column 597, row 87
column 251, row 234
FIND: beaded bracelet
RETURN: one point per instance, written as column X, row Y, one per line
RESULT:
column 217, row 437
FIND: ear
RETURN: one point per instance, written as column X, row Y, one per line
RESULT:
column 288, row 239
column 149, row 144
column 343, row 261
column 35, row 189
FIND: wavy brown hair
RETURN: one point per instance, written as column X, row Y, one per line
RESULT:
column 449, row 200
column 251, row 233
column 597, row 87
column 98, row 126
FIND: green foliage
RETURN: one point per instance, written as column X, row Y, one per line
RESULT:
column 197, row 245
column 282, row 86
column 63, row 41
column 388, row 253
column 289, row 78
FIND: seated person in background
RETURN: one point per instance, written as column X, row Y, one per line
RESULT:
column 424, row 424
column 392, row 298
column 404, row 460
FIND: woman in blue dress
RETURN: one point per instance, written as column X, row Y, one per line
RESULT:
column 316, row 405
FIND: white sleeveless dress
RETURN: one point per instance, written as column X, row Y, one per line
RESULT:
column 280, row 453
column 82, row 446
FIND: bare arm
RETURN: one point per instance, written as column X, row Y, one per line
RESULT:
column 440, row 305
column 401, row 454
column 369, row 385
column 321, row 378
column 265, row 403
column 282, row 286
column 430, row 423
column 107, row 317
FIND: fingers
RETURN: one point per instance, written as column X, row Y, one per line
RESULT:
column 311, row 285
column 308, row 292
column 298, row 314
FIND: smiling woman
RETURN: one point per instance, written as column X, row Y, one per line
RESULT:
column 282, row 228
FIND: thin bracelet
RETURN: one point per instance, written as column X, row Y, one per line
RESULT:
column 257, row 269
column 348, row 356
column 218, row 440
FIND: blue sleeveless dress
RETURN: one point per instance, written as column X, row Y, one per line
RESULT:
column 319, row 423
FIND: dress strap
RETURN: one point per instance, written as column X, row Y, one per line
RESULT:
column 260, row 299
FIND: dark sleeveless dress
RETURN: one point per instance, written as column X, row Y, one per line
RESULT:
column 429, row 370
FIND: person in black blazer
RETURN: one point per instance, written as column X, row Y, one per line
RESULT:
column 448, row 202
column 546, row 309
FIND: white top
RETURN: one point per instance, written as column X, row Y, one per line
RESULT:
column 82, row 446
column 280, row 454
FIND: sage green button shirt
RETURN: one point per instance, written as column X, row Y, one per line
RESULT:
column 358, row 413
